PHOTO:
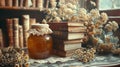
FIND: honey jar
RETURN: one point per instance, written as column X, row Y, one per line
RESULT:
column 39, row 41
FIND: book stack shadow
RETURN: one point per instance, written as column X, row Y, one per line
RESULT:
column 67, row 37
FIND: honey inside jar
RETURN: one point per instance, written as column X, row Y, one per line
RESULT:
column 39, row 43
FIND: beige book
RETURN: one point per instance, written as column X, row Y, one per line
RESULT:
column 1, row 39
column 40, row 4
column 26, row 24
column 16, row 32
column 32, row 21
column 2, row 3
column 21, row 36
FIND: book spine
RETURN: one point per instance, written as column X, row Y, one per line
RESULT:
column 20, row 36
column 2, row 3
column 26, row 3
column 16, row 32
column 32, row 21
column 34, row 3
column 60, row 35
column 9, row 24
column 40, row 4
column 15, row 3
column 53, row 3
column 21, row 3
column 1, row 39
column 47, row 4
column 9, row 3
column 26, row 24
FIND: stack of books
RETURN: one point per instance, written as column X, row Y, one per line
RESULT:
column 67, row 36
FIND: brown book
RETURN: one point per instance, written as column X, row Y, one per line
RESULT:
column 68, row 26
column 1, row 39
column 15, row 3
column 63, row 53
column 9, row 3
column 21, row 36
column 2, row 3
column 9, row 25
column 26, row 25
column 66, row 45
column 16, row 32
column 68, row 35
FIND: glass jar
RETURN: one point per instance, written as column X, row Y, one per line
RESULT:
column 39, row 42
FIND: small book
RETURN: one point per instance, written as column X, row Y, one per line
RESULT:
column 16, row 32
column 2, row 3
column 9, row 25
column 68, row 35
column 66, row 45
column 68, row 26
column 1, row 39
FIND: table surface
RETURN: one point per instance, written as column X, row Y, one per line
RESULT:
column 54, row 61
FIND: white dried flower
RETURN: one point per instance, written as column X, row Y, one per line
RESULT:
column 104, row 17
column 57, row 19
column 94, row 13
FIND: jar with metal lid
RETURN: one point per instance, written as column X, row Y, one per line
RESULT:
column 39, row 41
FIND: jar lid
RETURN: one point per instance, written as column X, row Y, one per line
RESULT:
column 40, row 29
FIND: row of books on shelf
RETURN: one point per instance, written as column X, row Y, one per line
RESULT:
column 27, row 3
column 14, row 33
column 67, row 36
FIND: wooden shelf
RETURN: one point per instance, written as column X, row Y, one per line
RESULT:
column 20, row 8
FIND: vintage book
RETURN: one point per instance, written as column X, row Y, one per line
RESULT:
column 16, row 32
column 27, row 3
column 63, row 53
column 15, row 3
column 65, row 45
column 2, row 3
column 68, row 26
column 34, row 3
column 9, row 25
column 26, row 25
column 21, row 36
column 32, row 21
column 9, row 3
column 68, row 35
column 1, row 39
column 40, row 4
column 21, row 3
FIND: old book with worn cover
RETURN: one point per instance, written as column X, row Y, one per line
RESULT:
column 68, row 35
column 68, row 26
column 66, row 44
column 9, row 25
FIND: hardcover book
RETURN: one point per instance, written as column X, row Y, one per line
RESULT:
column 67, row 35
column 66, row 45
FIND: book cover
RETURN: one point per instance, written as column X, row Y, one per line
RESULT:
column 1, row 39
column 21, row 36
column 26, row 26
column 66, row 45
column 15, row 3
column 68, row 26
column 9, row 25
column 67, row 35
column 16, row 32
column 9, row 3
column 2, row 3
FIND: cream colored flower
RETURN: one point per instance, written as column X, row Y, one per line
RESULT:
column 95, row 13
column 104, row 17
